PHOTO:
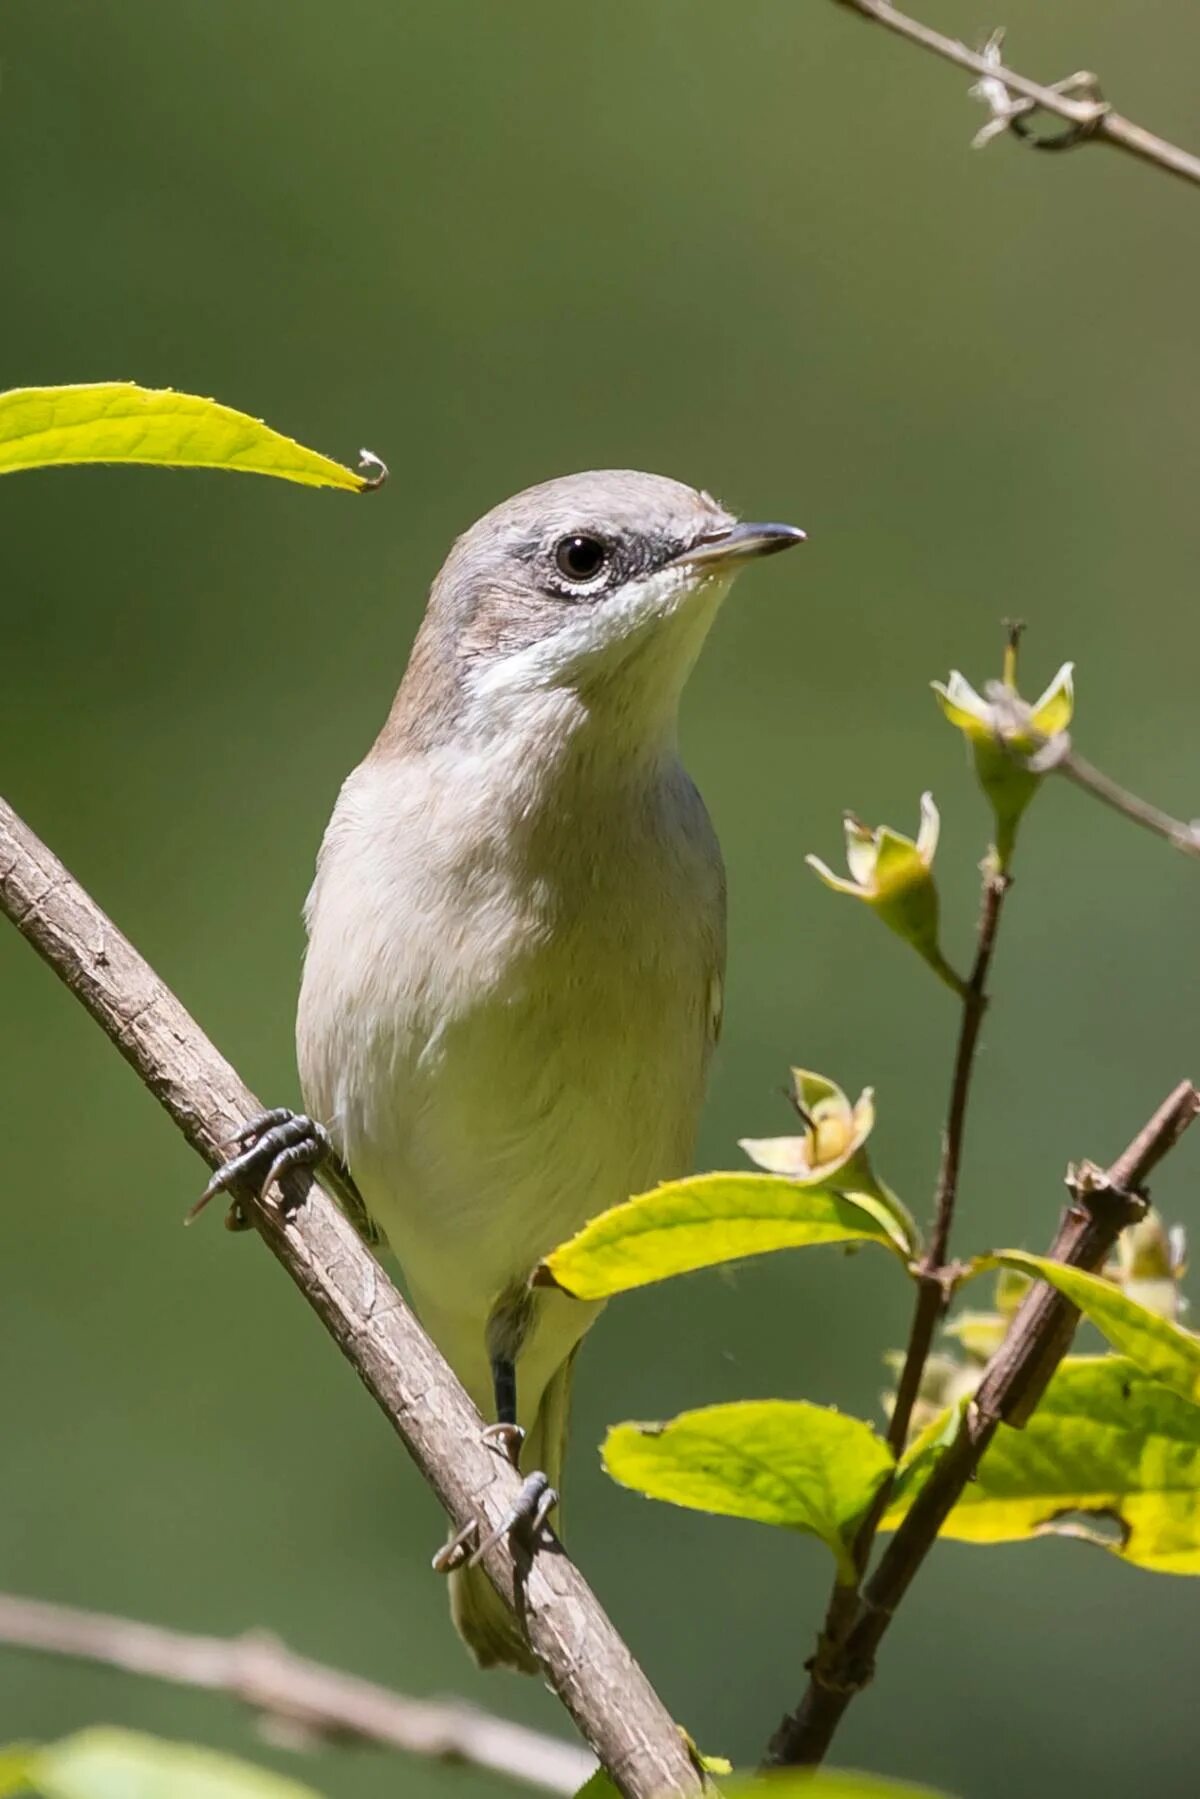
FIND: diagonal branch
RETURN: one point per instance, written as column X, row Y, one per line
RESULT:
column 286, row 1688
column 1103, row 1203
column 1089, row 119
column 585, row 1661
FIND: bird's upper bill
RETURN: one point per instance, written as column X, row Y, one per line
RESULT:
column 740, row 542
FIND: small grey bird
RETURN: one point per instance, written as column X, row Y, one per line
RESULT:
column 517, row 936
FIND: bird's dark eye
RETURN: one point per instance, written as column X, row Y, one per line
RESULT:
column 580, row 557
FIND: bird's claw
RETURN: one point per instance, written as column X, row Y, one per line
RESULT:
column 524, row 1518
column 453, row 1554
column 507, row 1438
column 522, row 1521
column 269, row 1146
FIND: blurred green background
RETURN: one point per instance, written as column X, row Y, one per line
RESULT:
column 744, row 244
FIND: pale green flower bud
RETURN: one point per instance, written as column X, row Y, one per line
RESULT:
column 1151, row 1262
column 832, row 1150
column 893, row 875
column 1004, row 731
column 834, row 1138
column 944, row 1382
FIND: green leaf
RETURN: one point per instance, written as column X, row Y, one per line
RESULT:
column 114, row 421
column 16, row 1768
column 1157, row 1346
column 828, row 1783
column 825, row 1784
column 710, row 1218
column 1110, row 1455
column 775, row 1461
column 979, row 1333
column 601, row 1787
column 106, row 1763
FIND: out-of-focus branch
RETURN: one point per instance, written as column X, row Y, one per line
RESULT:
column 584, row 1659
column 1103, row 1203
column 291, row 1690
column 1077, row 101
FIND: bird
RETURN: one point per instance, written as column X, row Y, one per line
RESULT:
column 515, row 964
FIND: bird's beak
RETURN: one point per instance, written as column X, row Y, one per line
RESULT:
column 740, row 542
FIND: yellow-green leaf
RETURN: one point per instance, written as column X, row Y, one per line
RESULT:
column 16, row 1768
column 980, row 1333
column 1157, row 1346
column 107, row 1763
column 114, row 421
column 775, row 1461
column 824, row 1783
column 710, row 1218
column 1111, row 1455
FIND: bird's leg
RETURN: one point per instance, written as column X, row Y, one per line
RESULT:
column 506, row 1433
column 533, row 1504
column 271, row 1145
column 537, row 1498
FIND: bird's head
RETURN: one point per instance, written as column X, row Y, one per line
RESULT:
column 600, row 585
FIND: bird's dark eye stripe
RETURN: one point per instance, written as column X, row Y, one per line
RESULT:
column 599, row 562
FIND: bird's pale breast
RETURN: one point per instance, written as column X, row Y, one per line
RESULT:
column 510, row 999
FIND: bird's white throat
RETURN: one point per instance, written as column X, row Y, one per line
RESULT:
column 614, row 673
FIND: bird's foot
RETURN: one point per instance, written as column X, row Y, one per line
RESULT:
column 524, row 1518
column 268, row 1147
column 521, row 1522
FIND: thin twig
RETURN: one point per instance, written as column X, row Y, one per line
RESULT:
column 322, row 1702
column 1016, row 732
column 584, row 1659
column 931, row 1293
column 1058, row 755
column 932, row 1285
column 1182, row 835
column 1103, row 1203
column 1092, row 120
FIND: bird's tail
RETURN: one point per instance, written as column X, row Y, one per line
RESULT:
column 484, row 1621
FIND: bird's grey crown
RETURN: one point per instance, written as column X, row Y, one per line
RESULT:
column 500, row 590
